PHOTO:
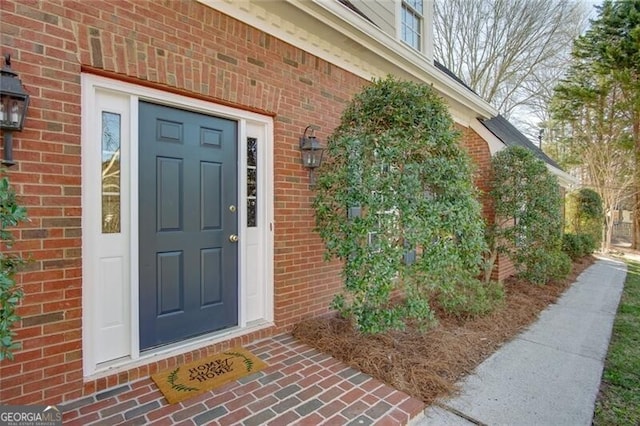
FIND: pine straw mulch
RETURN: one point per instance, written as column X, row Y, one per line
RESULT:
column 426, row 365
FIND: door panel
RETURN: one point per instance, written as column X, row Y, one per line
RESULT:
column 169, row 197
column 188, row 265
column 211, row 284
column 170, row 279
column 211, row 202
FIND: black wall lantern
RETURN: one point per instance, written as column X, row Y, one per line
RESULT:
column 14, row 102
column 311, row 153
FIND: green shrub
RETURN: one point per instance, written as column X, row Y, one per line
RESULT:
column 528, row 227
column 589, row 243
column 544, row 266
column 10, row 295
column 585, row 214
column 560, row 265
column 572, row 245
column 396, row 185
column 578, row 245
column 472, row 299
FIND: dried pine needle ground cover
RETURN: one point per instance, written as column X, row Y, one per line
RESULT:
column 427, row 364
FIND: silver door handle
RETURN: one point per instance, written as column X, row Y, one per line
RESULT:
column 233, row 238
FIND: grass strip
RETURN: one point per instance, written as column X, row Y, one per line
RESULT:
column 619, row 399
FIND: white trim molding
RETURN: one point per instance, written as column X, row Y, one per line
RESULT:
column 565, row 180
column 331, row 31
column 255, row 275
column 492, row 140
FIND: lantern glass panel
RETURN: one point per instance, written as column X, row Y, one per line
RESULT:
column 12, row 112
column 309, row 159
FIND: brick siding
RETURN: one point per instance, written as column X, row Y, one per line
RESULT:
column 478, row 149
column 183, row 47
column 299, row 386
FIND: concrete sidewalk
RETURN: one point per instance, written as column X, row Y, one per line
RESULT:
column 550, row 374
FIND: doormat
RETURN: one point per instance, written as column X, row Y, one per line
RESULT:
column 185, row 381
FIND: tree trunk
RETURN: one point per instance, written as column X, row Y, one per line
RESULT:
column 608, row 232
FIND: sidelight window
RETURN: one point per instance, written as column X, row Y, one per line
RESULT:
column 111, row 128
column 252, row 182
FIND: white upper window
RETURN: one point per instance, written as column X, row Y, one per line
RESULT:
column 411, row 23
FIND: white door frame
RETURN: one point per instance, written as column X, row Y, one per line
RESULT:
column 254, row 285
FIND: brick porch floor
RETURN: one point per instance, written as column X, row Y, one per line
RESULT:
column 300, row 386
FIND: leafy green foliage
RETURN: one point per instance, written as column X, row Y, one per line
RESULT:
column 472, row 299
column 589, row 244
column 528, row 226
column 597, row 106
column 585, row 219
column 11, row 213
column 589, row 204
column 585, row 214
column 541, row 266
column 613, row 41
column 578, row 245
column 610, row 50
column 397, row 185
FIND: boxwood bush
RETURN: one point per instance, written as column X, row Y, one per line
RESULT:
column 585, row 214
column 578, row 245
column 395, row 201
column 528, row 208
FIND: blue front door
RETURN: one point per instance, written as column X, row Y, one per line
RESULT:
column 187, row 224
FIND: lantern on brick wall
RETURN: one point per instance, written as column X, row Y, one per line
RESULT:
column 14, row 102
column 311, row 152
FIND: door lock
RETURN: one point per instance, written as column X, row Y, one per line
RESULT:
column 233, row 238
column 232, row 208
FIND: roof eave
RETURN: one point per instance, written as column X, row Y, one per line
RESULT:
column 396, row 53
column 337, row 34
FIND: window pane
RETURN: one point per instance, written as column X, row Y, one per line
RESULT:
column 110, row 173
column 411, row 25
column 416, row 4
column 252, row 152
column 252, row 182
column 252, row 210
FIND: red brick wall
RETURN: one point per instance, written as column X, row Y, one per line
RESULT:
column 478, row 149
column 185, row 47
column 481, row 155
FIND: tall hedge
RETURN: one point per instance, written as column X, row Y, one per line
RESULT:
column 528, row 207
column 585, row 214
column 395, row 201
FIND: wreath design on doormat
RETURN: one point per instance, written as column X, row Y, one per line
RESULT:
column 248, row 363
column 171, row 379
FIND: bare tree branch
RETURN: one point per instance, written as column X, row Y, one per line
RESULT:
column 508, row 51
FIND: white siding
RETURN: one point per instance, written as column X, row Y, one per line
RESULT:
column 386, row 15
column 381, row 12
